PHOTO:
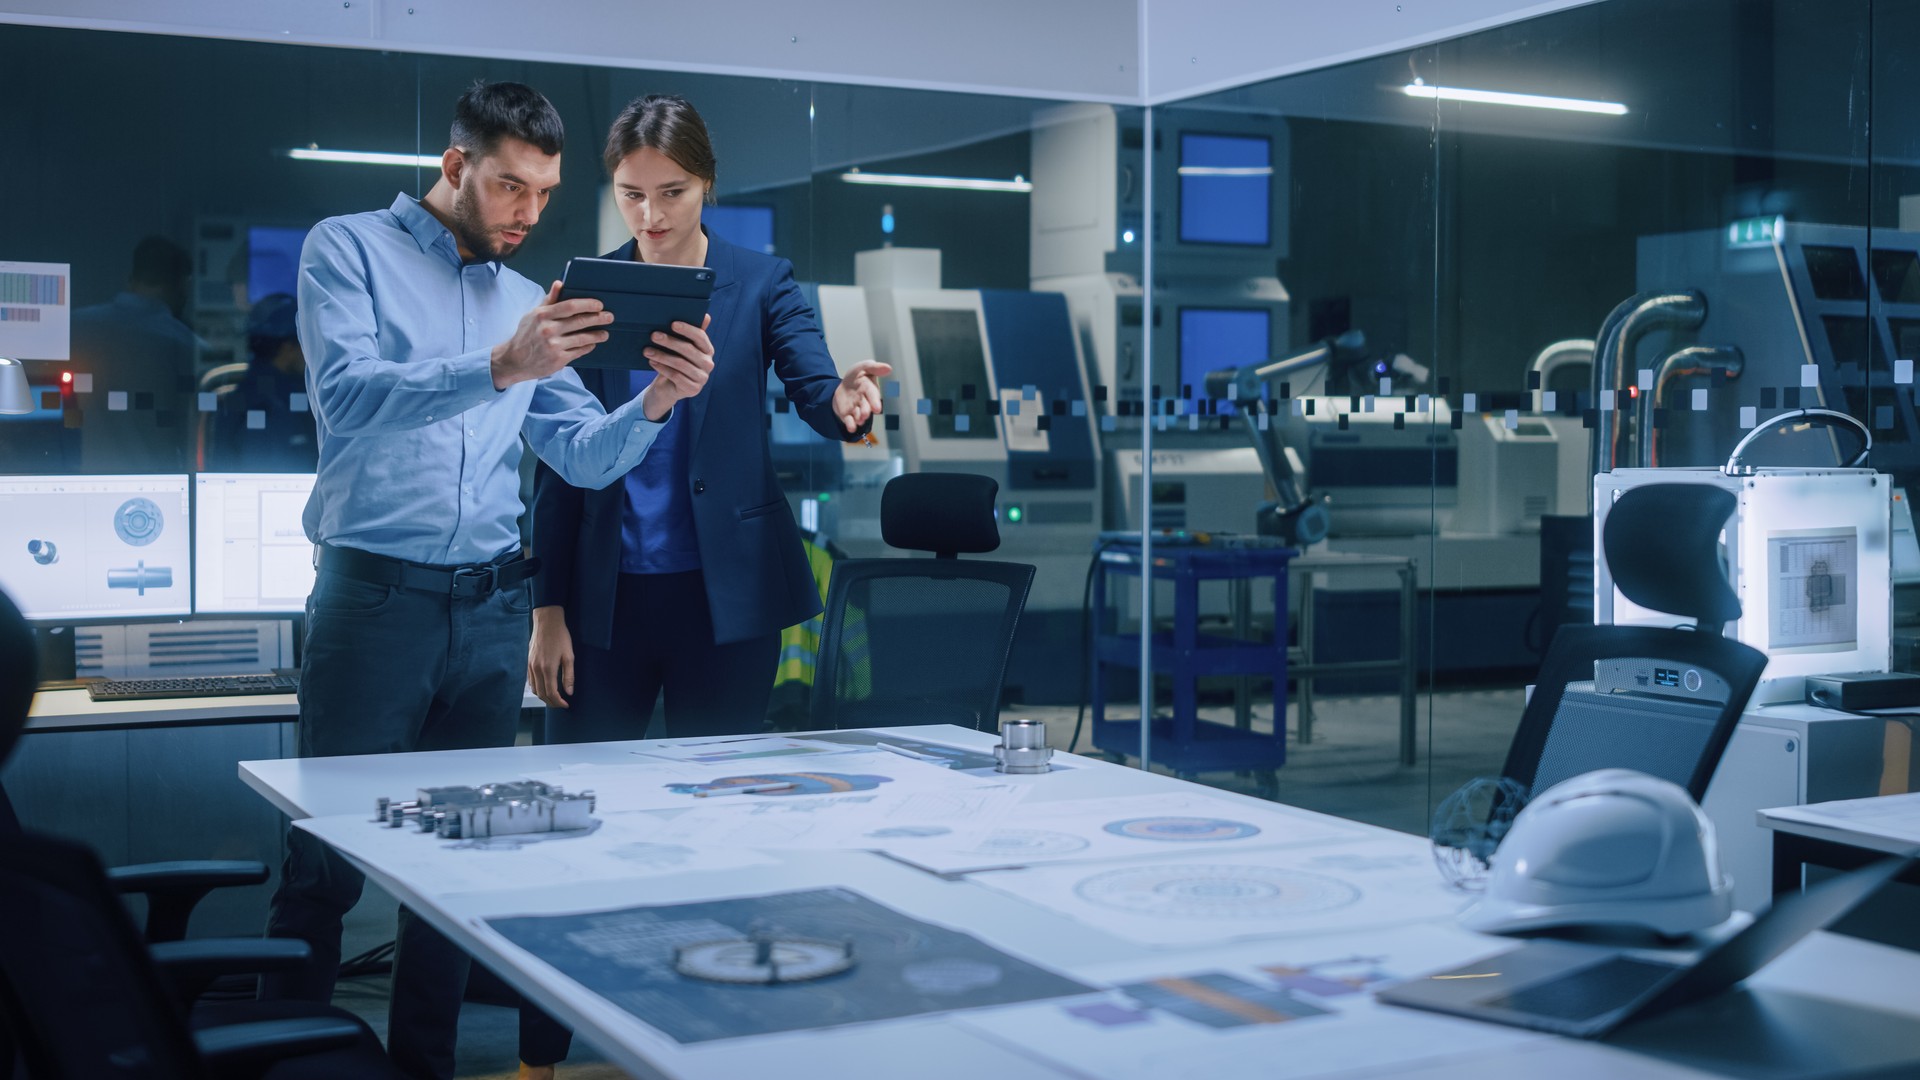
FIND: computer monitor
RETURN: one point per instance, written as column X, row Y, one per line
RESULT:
column 749, row 226
column 953, row 360
column 273, row 260
column 76, row 549
column 1226, row 189
column 1214, row 338
column 251, row 552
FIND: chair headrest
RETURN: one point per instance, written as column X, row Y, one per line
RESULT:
column 1662, row 543
column 19, row 673
column 945, row 513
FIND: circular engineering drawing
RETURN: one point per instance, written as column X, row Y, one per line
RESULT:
column 1215, row 892
column 1182, row 828
column 1029, row 842
column 765, row 961
column 138, row 521
column 786, row 784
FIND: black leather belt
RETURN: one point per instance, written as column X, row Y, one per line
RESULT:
column 459, row 582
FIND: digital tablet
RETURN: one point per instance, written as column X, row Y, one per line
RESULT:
column 644, row 297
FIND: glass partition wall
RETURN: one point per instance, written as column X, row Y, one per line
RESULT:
column 1074, row 297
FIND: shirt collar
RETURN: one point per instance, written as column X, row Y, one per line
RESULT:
column 429, row 233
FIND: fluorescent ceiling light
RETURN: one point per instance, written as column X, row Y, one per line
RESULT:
column 1420, row 89
column 1226, row 170
column 365, row 157
column 949, row 183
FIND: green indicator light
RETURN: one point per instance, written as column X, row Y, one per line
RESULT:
column 825, row 496
column 1014, row 513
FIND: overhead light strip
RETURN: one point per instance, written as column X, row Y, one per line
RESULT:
column 1525, row 101
column 1226, row 170
column 945, row 183
column 365, row 157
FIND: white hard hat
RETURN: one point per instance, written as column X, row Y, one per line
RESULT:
column 1607, row 848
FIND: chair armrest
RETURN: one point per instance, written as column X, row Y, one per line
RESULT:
column 248, row 1050
column 173, row 888
column 191, row 966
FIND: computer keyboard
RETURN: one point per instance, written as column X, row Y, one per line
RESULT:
column 190, row 686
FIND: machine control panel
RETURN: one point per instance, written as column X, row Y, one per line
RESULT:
column 1650, row 676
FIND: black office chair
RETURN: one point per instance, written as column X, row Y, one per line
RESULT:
column 1590, row 711
column 81, row 995
column 922, row 641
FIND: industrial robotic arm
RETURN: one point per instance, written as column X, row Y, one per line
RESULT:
column 1294, row 516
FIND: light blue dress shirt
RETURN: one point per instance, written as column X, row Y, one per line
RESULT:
column 419, row 454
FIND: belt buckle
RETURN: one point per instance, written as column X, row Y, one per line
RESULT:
column 470, row 582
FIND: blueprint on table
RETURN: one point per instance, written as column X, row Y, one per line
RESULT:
column 903, row 967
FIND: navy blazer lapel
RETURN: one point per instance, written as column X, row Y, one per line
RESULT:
column 724, row 308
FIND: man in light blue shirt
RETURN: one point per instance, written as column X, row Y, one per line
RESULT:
column 427, row 361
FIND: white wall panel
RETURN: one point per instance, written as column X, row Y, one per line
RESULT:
column 1052, row 49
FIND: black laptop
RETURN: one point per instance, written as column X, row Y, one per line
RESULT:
column 1588, row 990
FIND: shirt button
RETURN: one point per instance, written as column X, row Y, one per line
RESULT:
column 429, row 418
column 699, row 487
column 472, row 433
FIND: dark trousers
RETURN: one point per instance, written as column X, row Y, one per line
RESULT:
column 662, row 643
column 390, row 669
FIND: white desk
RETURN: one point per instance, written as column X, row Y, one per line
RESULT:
column 73, row 710
column 1842, row 834
column 1038, row 1039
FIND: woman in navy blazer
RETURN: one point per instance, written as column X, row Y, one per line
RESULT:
column 681, row 577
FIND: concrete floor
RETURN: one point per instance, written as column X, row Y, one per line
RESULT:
column 1350, row 769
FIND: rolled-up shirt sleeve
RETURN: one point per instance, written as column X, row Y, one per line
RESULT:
column 356, row 390
column 588, row 446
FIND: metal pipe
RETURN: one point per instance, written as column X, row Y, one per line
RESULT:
column 1646, row 312
column 1558, row 355
column 1693, row 360
column 1600, row 378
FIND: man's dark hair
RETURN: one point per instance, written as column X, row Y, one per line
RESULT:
column 666, row 123
column 489, row 112
column 159, row 261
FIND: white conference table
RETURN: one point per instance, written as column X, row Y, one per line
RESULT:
column 73, row 710
column 1825, row 1001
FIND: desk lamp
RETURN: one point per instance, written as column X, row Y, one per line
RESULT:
column 16, row 397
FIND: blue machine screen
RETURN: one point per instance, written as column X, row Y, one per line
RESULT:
column 1214, row 338
column 751, row 227
column 1226, row 207
column 273, row 260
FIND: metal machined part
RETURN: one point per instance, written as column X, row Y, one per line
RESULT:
column 1023, row 747
column 507, row 809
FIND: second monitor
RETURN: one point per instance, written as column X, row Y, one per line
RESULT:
column 251, row 552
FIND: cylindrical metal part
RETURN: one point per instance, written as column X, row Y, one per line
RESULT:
column 1023, row 747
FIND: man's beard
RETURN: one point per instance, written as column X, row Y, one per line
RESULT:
column 474, row 234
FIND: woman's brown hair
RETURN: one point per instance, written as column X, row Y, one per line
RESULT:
column 666, row 123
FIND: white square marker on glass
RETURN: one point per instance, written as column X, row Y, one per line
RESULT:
column 1109, row 423
column 297, row 402
column 1193, row 421
column 1903, row 371
column 116, row 401
column 1233, row 391
column 890, row 388
column 1423, row 403
column 256, row 420
column 1749, row 416
column 924, row 407
column 1606, row 401
column 1469, row 402
column 82, row 382
column 962, row 422
column 1298, row 408
column 1809, row 375
column 1029, row 392
column 209, row 401
column 1260, row 421
column 1512, row 419
column 1646, row 380
column 1549, row 401
column 1386, row 387
column 1700, row 399
column 1078, row 408
column 1366, row 403
column 1013, row 407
